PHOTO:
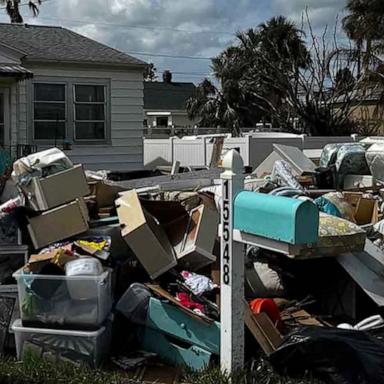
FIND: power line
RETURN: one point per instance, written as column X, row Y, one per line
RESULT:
column 169, row 56
column 160, row 71
column 136, row 26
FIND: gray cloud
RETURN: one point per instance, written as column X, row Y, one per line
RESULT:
column 114, row 22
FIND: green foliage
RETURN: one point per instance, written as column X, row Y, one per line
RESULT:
column 244, row 98
column 364, row 24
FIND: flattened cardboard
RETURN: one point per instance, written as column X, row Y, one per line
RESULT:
column 59, row 223
column 57, row 189
column 144, row 235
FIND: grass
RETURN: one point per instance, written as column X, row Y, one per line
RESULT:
column 34, row 370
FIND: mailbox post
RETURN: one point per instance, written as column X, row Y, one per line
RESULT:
column 232, row 269
column 287, row 226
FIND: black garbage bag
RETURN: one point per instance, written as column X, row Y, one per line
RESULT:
column 336, row 355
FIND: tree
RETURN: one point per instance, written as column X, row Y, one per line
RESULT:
column 242, row 98
column 344, row 80
column 13, row 10
column 270, row 75
column 150, row 72
column 365, row 26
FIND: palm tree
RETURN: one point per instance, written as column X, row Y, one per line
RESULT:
column 284, row 42
column 365, row 26
column 244, row 96
column 13, row 10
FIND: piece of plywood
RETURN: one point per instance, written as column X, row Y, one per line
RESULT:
column 296, row 159
column 263, row 330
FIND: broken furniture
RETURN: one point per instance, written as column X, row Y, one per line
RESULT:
column 194, row 238
column 44, row 193
column 144, row 235
column 179, row 338
column 58, row 223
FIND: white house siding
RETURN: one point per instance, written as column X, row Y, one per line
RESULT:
column 126, row 106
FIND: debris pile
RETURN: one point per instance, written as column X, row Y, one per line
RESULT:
column 94, row 270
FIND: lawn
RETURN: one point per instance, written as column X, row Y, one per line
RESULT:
column 37, row 371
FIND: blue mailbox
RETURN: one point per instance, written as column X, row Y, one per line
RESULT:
column 279, row 218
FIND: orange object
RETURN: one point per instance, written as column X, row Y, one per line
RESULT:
column 269, row 307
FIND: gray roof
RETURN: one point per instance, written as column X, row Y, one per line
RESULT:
column 162, row 96
column 57, row 44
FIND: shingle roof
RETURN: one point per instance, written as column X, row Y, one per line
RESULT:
column 45, row 43
column 167, row 96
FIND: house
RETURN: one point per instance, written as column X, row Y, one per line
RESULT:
column 165, row 103
column 58, row 87
column 366, row 108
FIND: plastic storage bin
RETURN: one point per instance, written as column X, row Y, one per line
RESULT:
column 82, row 347
column 64, row 302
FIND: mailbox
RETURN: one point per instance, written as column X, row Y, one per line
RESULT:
column 279, row 218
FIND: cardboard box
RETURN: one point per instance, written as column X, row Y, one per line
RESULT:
column 105, row 192
column 57, row 189
column 144, row 235
column 59, row 223
column 366, row 210
column 193, row 238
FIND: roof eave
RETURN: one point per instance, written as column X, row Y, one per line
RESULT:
column 139, row 65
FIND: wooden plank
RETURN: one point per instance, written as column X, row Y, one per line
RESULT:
column 262, row 329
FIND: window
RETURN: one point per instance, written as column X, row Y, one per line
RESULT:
column 162, row 122
column 49, row 111
column 90, row 112
column 76, row 109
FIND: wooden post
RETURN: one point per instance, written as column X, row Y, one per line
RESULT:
column 232, row 269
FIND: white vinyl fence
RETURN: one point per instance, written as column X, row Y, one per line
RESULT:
column 253, row 148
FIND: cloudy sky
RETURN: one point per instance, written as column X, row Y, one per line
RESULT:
column 175, row 34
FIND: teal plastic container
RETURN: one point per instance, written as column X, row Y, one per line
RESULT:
column 279, row 218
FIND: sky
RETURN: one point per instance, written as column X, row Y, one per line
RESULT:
column 178, row 35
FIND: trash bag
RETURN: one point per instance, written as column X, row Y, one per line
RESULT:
column 339, row 356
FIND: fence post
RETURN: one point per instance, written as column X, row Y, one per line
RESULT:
column 232, row 269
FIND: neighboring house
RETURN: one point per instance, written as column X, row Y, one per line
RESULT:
column 57, row 86
column 366, row 107
column 165, row 103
